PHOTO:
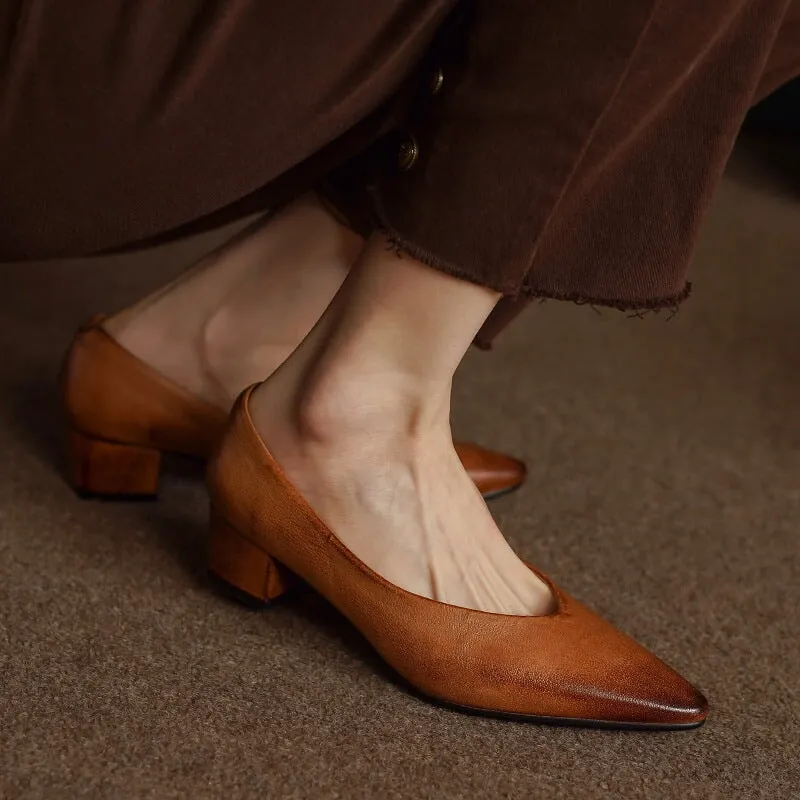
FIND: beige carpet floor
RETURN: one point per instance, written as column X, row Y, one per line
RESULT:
column 664, row 491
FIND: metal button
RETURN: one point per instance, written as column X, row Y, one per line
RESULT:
column 407, row 154
column 436, row 81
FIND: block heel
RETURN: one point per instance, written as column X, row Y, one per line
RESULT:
column 106, row 469
column 250, row 574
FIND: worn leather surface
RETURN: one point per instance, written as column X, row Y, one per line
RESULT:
column 569, row 664
column 493, row 472
column 112, row 395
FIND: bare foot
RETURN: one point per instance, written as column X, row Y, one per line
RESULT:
column 403, row 504
column 358, row 418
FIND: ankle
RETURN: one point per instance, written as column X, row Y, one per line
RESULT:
column 341, row 413
column 370, row 411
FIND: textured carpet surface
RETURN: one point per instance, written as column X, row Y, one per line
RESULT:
column 664, row 490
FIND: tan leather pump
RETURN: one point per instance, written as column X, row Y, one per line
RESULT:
column 568, row 667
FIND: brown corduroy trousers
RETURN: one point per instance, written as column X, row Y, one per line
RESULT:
column 543, row 148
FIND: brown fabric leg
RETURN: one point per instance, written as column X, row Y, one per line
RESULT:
column 580, row 178
column 120, row 120
column 617, row 187
column 608, row 214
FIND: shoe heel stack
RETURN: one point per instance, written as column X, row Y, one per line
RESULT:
column 254, row 576
column 98, row 468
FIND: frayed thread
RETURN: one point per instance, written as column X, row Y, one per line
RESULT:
column 633, row 309
column 402, row 248
column 637, row 309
